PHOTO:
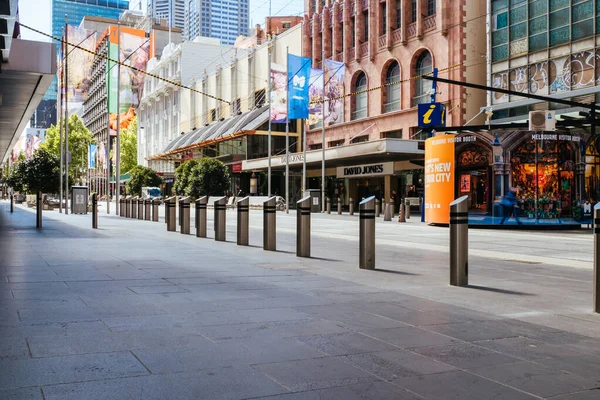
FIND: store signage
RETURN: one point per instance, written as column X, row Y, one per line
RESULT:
column 236, row 168
column 366, row 170
column 439, row 178
column 293, row 158
column 555, row 136
column 432, row 115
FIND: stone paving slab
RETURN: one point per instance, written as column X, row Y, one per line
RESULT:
column 134, row 312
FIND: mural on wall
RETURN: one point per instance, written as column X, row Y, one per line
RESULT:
column 576, row 71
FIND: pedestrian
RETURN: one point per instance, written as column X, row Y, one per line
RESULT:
column 510, row 206
column 394, row 199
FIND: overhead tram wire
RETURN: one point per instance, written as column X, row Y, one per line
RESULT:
column 124, row 65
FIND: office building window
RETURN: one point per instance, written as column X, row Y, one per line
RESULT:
column 423, row 87
column 431, row 7
column 392, row 88
column 361, row 98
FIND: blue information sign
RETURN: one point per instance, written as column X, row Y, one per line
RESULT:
column 432, row 115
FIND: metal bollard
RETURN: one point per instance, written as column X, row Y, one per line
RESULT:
column 170, row 214
column 38, row 208
column 148, row 209
column 94, row 211
column 184, row 215
column 243, row 211
column 201, row 216
column 401, row 216
column 269, row 224
column 121, row 210
column 377, row 207
column 220, row 210
column 596, row 258
column 134, row 207
column 351, row 207
column 328, row 205
column 339, row 210
column 128, row 207
column 155, row 204
column 12, row 202
column 459, row 242
column 303, row 226
column 387, row 214
column 406, row 208
column 366, row 210
column 140, row 208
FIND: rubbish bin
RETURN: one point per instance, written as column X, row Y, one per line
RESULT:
column 315, row 201
column 79, row 199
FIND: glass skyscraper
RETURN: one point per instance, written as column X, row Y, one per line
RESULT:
column 75, row 10
column 222, row 19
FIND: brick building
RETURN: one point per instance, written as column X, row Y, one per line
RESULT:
column 385, row 42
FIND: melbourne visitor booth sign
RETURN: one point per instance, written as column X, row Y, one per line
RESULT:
column 439, row 178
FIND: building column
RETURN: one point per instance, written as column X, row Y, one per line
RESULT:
column 387, row 183
column 359, row 28
column 389, row 15
column 307, row 45
column 325, row 31
column 336, row 31
column 406, row 12
column 316, row 38
column 373, row 28
column 347, row 31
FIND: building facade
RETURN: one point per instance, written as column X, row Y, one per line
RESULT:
column 171, row 10
column 222, row 19
column 228, row 123
column 75, row 10
column 547, row 48
column 386, row 46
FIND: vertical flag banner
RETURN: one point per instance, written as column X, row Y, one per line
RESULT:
column 80, row 65
column 278, row 91
column 92, row 156
column 439, row 178
column 315, row 90
column 298, row 76
column 334, row 89
column 134, row 49
column 101, row 155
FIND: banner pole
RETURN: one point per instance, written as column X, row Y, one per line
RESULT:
column 66, row 115
column 60, row 127
column 269, row 98
column 323, row 128
column 118, row 150
column 287, row 132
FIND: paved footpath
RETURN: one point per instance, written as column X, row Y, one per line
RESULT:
column 131, row 311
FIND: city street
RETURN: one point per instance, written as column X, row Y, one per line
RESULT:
column 131, row 311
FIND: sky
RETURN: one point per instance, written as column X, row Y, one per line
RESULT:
column 38, row 14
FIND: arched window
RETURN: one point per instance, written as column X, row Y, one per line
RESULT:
column 424, row 66
column 360, row 100
column 392, row 88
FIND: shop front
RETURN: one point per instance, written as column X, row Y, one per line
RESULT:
column 384, row 168
column 545, row 170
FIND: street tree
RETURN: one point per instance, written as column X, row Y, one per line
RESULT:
column 182, row 176
column 42, row 172
column 210, row 177
column 79, row 140
column 142, row 176
column 128, row 143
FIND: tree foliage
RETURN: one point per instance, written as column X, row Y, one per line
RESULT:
column 182, row 176
column 128, row 141
column 210, row 177
column 142, row 176
column 79, row 139
column 41, row 173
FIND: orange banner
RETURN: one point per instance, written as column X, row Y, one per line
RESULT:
column 439, row 178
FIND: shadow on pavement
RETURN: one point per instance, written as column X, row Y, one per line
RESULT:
column 496, row 290
column 391, row 271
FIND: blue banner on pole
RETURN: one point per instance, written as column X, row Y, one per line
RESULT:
column 432, row 115
column 298, row 83
column 92, row 156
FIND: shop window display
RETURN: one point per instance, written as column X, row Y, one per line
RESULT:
column 544, row 174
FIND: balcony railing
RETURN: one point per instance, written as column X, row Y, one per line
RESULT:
column 363, row 50
column 339, row 56
column 429, row 23
column 422, row 99
column 396, row 35
column 389, row 107
column 351, row 53
column 382, row 41
column 412, row 30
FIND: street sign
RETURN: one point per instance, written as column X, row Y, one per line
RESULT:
column 432, row 115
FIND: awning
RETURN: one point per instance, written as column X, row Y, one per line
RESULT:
column 219, row 131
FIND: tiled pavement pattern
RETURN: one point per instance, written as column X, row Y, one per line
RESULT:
column 133, row 312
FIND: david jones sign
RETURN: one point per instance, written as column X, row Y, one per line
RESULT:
column 366, row 170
